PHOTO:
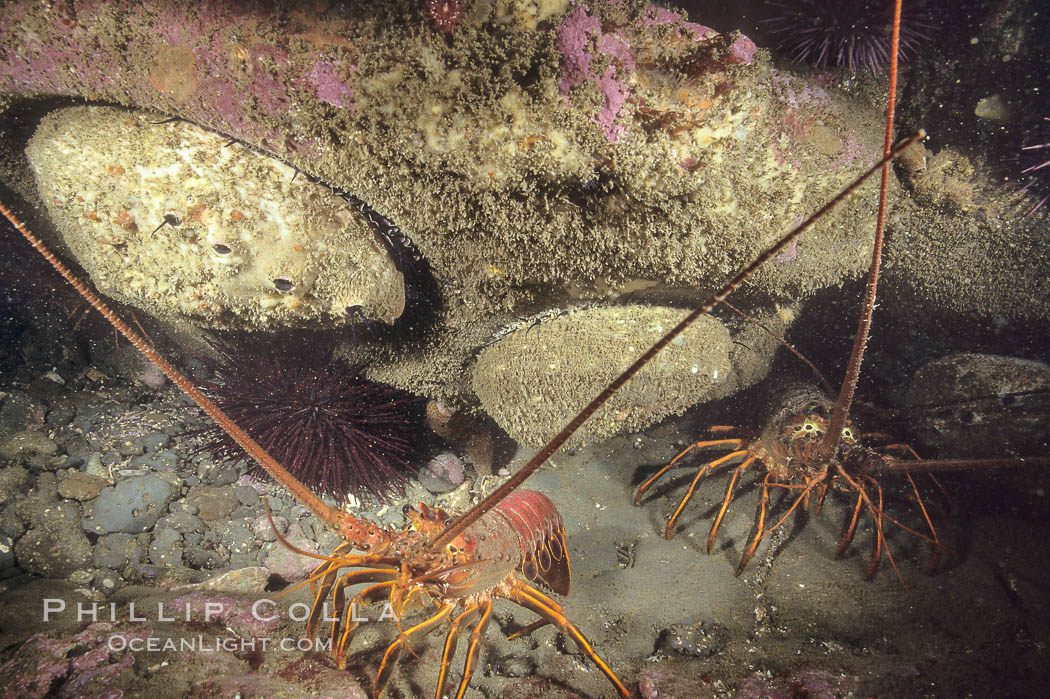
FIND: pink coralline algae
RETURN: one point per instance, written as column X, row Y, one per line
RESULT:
column 77, row 666
column 574, row 42
column 236, row 614
column 583, row 41
column 661, row 15
column 330, row 88
column 741, row 52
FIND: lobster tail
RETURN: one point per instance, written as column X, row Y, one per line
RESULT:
column 541, row 536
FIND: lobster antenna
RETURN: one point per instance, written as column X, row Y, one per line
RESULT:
column 785, row 344
column 552, row 446
column 356, row 530
column 931, row 465
column 849, row 382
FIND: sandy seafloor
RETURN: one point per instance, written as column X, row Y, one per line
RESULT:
column 796, row 623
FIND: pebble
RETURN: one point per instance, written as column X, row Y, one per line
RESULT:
column 287, row 564
column 26, row 444
column 166, row 549
column 246, row 495
column 95, row 466
column 700, row 641
column 443, row 473
column 182, row 521
column 212, row 503
column 152, row 442
column 117, row 551
column 163, row 460
column 246, row 580
column 81, row 486
column 131, row 506
column 14, row 481
column 53, row 551
column 17, row 411
column 106, row 498
column 7, row 557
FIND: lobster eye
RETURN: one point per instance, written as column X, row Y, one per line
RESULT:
column 221, row 249
column 172, row 220
column 406, row 509
column 283, row 284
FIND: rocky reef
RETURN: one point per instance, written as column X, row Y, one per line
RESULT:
column 539, row 155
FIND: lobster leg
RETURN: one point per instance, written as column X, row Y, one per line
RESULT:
column 847, row 536
column 725, row 502
column 475, row 644
column 340, row 648
column 711, row 465
column 935, row 547
column 876, row 553
column 935, row 552
column 339, row 597
column 731, row 443
column 760, row 523
column 450, row 645
column 393, row 652
column 534, row 600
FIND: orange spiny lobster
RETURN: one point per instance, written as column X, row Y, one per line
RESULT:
column 523, row 534
column 789, row 447
column 460, row 564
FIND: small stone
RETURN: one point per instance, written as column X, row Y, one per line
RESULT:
column 26, row 444
column 245, row 580
column 700, row 641
column 54, row 551
column 130, row 448
column 443, row 474
column 214, row 504
column 182, row 522
column 238, row 537
column 166, row 549
column 223, row 476
column 81, row 577
column 81, row 486
column 246, row 495
column 152, row 442
column 10, row 523
column 514, row 666
column 130, row 506
column 7, row 556
column 202, row 558
column 17, row 411
column 116, row 551
column 286, row 563
column 95, row 466
column 13, row 481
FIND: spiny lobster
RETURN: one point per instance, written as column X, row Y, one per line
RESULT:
column 522, row 536
column 808, row 444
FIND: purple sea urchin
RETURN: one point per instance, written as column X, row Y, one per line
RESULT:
column 851, row 33
column 333, row 429
column 1038, row 172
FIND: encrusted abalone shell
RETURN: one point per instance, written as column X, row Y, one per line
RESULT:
column 245, row 244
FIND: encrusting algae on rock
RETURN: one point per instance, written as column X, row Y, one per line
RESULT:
column 539, row 156
column 529, row 380
column 179, row 221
